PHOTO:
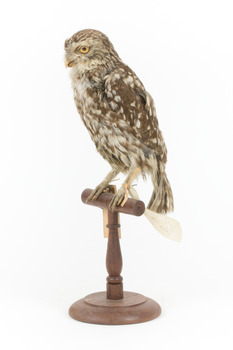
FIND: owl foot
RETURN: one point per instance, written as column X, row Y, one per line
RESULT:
column 120, row 197
column 97, row 191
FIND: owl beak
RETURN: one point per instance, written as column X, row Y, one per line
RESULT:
column 68, row 63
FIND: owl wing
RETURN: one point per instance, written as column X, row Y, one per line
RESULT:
column 131, row 107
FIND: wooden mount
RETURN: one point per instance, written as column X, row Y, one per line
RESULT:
column 131, row 207
column 114, row 306
column 114, row 259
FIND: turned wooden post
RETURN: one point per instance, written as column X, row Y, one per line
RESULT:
column 114, row 259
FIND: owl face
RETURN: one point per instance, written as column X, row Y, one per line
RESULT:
column 87, row 49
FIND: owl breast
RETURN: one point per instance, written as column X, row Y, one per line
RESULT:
column 110, row 145
column 87, row 104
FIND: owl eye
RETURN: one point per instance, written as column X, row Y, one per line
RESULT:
column 84, row 49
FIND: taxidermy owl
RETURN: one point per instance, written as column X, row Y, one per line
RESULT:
column 120, row 117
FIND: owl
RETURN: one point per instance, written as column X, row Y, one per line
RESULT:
column 120, row 117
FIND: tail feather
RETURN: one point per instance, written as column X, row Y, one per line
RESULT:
column 162, row 198
column 168, row 227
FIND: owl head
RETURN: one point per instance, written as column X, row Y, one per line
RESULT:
column 87, row 49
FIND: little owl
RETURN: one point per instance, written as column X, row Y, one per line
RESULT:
column 119, row 115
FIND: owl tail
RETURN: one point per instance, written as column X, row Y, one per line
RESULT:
column 162, row 198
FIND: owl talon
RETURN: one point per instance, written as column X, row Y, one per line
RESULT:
column 119, row 198
column 97, row 192
column 126, row 195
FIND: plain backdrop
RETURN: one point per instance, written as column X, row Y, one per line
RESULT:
column 52, row 249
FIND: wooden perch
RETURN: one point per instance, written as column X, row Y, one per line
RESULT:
column 132, row 206
column 114, row 306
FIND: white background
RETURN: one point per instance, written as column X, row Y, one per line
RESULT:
column 52, row 249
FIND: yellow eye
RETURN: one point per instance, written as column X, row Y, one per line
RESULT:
column 84, row 49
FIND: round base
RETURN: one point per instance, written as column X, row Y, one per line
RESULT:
column 133, row 308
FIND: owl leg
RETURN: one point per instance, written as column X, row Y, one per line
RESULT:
column 103, row 185
column 122, row 194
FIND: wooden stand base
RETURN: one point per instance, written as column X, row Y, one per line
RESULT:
column 96, row 308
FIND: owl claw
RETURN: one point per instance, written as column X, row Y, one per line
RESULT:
column 119, row 198
column 97, row 191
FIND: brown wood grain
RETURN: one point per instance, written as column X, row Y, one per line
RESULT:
column 131, row 207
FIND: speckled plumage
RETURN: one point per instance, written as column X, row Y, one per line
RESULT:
column 118, row 113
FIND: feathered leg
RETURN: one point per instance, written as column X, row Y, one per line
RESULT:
column 123, row 193
column 103, row 185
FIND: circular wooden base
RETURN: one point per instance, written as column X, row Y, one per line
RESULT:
column 133, row 308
